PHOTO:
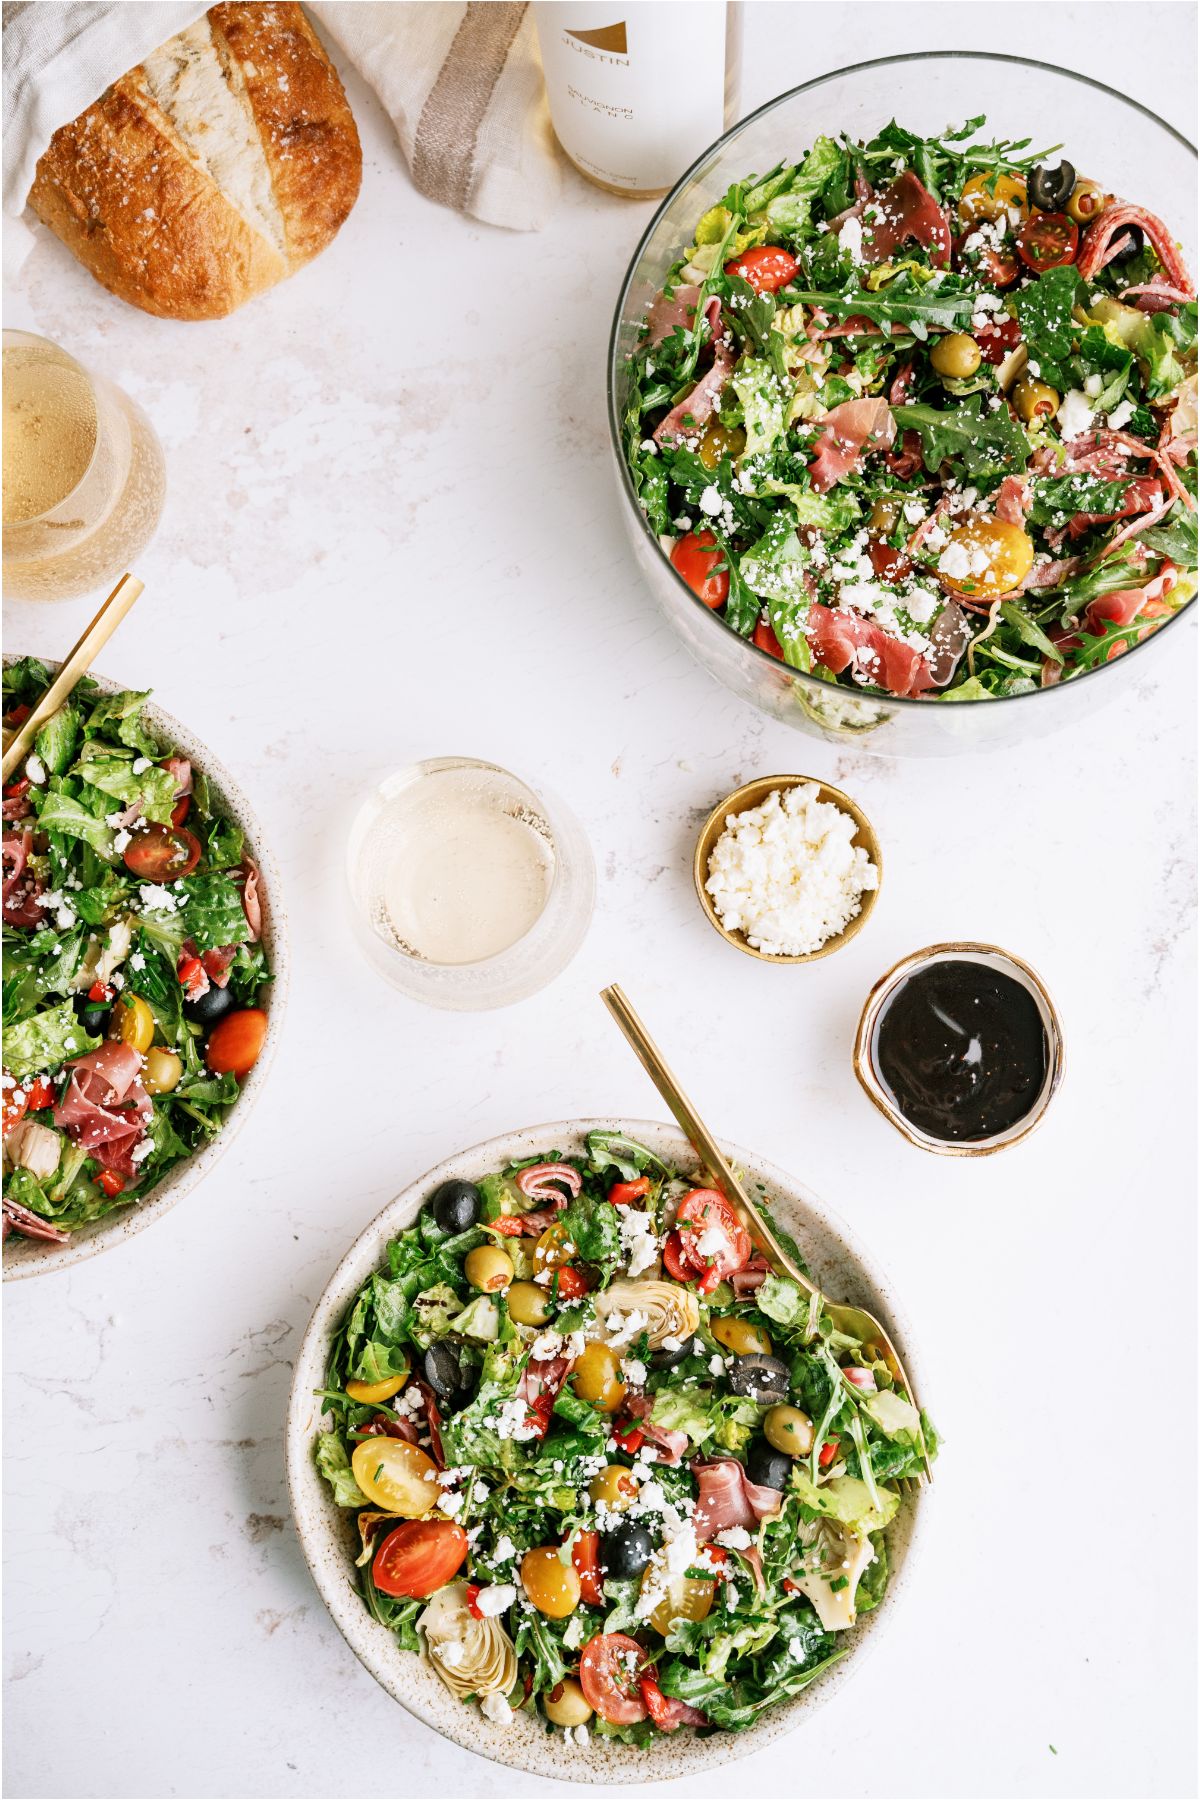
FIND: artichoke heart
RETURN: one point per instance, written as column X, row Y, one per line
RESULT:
column 668, row 1311
column 472, row 1656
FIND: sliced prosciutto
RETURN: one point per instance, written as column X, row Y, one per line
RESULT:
column 678, row 311
column 906, row 213
column 21, row 885
column 727, row 1497
column 1104, row 236
column 847, row 434
column 104, row 1106
column 669, row 1444
column 842, row 639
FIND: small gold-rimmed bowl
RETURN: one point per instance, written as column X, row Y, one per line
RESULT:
column 991, row 956
column 753, row 794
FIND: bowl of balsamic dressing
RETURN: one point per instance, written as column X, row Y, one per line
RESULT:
column 960, row 1048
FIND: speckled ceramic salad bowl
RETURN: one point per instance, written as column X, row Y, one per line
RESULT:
column 27, row 1256
column 1135, row 154
column 327, row 1532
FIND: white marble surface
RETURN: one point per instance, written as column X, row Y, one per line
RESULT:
column 393, row 533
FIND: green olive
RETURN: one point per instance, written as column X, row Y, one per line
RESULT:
column 742, row 1337
column 614, row 1487
column 565, row 1704
column 162, row 1071
column 1087, row 199
column 885, row 515
column 488, row 1268
column 528, row 1304
column 1034, row 400
column 788, row 1429
column 957, row 356
column 596, row 1377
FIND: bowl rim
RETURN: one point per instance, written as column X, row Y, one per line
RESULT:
column 872, row 1084
column 752, row 793
column 368, row 1640
column 127, row 1221
column 614, row 422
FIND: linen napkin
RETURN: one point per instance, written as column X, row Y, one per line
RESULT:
column 462, row 85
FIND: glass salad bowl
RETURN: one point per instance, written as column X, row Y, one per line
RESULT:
column 1135, row 153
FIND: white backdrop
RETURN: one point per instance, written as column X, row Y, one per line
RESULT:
column 392, row 532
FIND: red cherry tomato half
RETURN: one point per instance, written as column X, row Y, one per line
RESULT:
column 888, row 563
column 673, row 1261
column 418, row 1558
column 710, row 1219
column 696, row 557
column 766, row 267
column 764, row 638
column 999, row 268
column 622, row 1192
column 997, row 339
column 1047, row 241
column 233, row 1048
column 572, row 1283
column 110, row 1182
column 585, row 1555
column 608, row 1674
column 39, row 1094
column 162, row 853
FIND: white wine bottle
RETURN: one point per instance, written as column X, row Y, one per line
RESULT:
column 638, row 88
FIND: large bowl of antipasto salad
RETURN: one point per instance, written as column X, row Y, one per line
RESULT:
column 906, row 417
column 144, row 969
column 584, row 1483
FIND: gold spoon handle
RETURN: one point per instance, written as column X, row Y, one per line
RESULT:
column 79, row 661
column 700, row 1138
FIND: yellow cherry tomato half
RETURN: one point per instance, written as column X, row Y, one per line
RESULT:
column 551, row 1584
column 396, row 1476
column 989, row 196
column 985, row 558
column 685, row 1598
column 373, row 1393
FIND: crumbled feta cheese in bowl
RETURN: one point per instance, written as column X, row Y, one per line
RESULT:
column 787, row 868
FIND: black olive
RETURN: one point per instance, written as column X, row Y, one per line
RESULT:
column 1050, row 189
column 625, row 1552
column 455, row 1206
column 1130, row 243
column 761, row 1378
column 210, row 1006
column 766, row 1466
column 445, row 1374
column 92, row 1015
column 667, row 1359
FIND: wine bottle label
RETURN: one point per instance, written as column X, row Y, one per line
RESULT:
column 636, row 88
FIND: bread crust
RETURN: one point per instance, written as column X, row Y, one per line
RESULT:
column 152, row 226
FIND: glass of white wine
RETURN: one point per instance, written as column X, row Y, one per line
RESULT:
column 84, row 478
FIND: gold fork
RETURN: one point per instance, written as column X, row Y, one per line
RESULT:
column 855, row 1321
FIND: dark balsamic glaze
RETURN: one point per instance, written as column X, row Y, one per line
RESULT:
column 962, row 1050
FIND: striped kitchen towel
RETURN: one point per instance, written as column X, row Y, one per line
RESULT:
column 463, row 87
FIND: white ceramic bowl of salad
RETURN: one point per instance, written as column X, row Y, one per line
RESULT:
column 524, row 1739
column 825, row 514
column 25, row 1256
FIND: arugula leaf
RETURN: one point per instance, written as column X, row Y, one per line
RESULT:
column 1044, row 311
column 592, row 1227
column 212, row 910
column 616, row 1150
column 980, row 445
column 1175, row 538
column 1029, row 631
column 1056, row 499
column 898, row 304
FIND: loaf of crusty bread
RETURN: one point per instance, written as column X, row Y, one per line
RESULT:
column 216, row 168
